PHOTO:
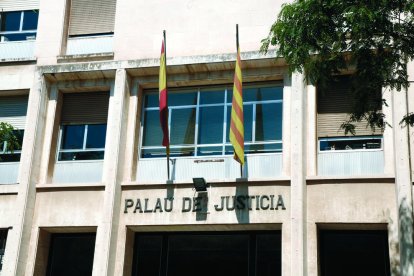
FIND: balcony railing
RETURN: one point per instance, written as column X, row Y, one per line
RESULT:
column 78, row 172
column 15, row 50
column 89, row 45
column 351, row 163
column 9, row 173
column 265, row 166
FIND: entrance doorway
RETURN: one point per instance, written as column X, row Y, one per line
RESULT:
column 206, row 254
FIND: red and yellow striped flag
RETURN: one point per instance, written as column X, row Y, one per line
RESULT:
column 163, row 98
column 236, row 124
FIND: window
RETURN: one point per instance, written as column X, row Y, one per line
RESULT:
column 356, row 253
column 12, row 156
column 18, row 25
column 351, row 143
column 82, row 142
column 3, row 238
column 199, row 121
column 205, row 254
column 71, row 254
column 83, row 126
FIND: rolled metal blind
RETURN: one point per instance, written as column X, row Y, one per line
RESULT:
column 92, row 17
column 84, row 108
column 13, row 110
column 334, row 105
column 18, row 5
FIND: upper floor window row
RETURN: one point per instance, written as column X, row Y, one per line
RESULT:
column 18, row 25
column 199, row 121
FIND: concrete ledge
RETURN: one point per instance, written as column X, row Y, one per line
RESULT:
column 350, row 179
column 7, row 189
column 86, row 57
column 70, row 187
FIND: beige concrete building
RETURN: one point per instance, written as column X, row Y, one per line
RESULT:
column 88, row 193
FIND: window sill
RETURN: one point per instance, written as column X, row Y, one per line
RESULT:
column 19, row 60
column 9, row 189
column 86, row 57
column 71, row 186
column 379, row 178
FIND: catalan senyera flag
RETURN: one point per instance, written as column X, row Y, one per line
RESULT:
column 163, row 98
column 236, row 124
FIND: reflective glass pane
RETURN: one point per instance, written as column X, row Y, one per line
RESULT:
column 182, row 126
column 72, row 136
column 30, row 20
column 177, row 99
column 350, row 144
column 18, row 37
column 153, row 153
column 270, row 93
column 10, row 157
column 10, row 21
column 187, row 151
column 210, row 127
column 263, row 148
column 249, row 94
column 212, row 97
column 152, row 130
column 248, row 122
column 151, row 100
column 96, row 136
column 205, row 151
column 269, row 122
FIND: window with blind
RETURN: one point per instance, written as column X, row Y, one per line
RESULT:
column 333, row 107
column 199, row 121
column 83, row 126
column 91, row 17
column 13, row 110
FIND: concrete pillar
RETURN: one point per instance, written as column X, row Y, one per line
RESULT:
column 403, row 184
column 388, row 145
column 106, row 236
column 287, row 94
column 18, row 241
column 298, row 175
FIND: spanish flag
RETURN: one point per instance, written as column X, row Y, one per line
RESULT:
column 163, row 98
column 236, row 124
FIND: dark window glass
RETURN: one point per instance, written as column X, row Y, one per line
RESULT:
column 153, row 133
column 10, row 21
column 210, row 127
column 3, row 239
column 357, row 253
column 151, row 100
column 177, row 99
column 258, row 94
column 148, row 255
column 182, row 126
column 268, row 255
column 212, row 97
column 218, row 255
column 71, row 254
column 350, row 144
column 269, row 122
column 19, row 36
column 206, row 254
column 96, row 136
column 13, row 156
column 30, row 20
column 81, row 155
column 72, row 136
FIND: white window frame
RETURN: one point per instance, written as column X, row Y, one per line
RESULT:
column 20, row 31
column 83, row 149
column 225, row 104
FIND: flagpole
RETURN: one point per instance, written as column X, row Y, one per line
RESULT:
column 167, row 148
column 237, row 49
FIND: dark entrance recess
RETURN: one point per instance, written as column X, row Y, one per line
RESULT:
column 71, row 254
column 206, row 254
column 356, row 253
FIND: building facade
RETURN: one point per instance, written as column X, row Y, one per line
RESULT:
column 89, row 193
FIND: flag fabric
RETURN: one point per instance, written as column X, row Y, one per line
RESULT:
column 163, row 98
column 236, row 124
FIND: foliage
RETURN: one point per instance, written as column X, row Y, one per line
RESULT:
column 372, row 39
column 7, row 135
